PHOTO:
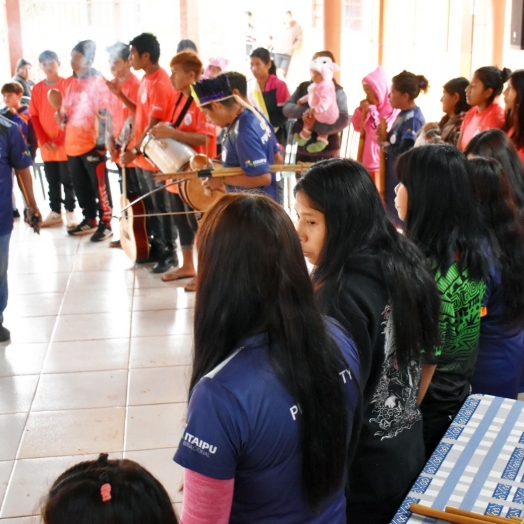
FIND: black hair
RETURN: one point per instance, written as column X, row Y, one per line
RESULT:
column 492, row 78
column 458, row 86
column 12, row 87
column 268, row 289
column 185, row 44
column 356, row 223
column 135, row 495
column 237, row 81
column 214, row 89
column 515, row 116
column 119, row 50
column 87, row 48
column 494, row 143
column 21, row 62
column 47, row 55
column 147, row 43
column 443, row 218
column 248, row 13
column 504, row 227
column 411, row 84
column 326, row 54
column 265, row 56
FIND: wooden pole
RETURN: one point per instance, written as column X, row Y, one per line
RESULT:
column 381, row 31
column 14, row 32
column 498, row 15
column 332, row 29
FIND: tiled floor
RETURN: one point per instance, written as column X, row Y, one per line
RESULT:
column 98, row 361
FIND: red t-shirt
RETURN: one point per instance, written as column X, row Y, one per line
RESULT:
column 44, row 123
column 84, row 98
column 474, row 122
column 155, row 99
column 520, row 151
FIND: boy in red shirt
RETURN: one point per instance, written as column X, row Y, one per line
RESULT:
column 154, row 104
column 83, row 109
column 51, row 136
column 190, row 126
column 120, row 118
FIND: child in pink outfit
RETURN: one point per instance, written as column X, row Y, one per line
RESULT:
column 376, row 106
column 217, row 65
column 322, row 101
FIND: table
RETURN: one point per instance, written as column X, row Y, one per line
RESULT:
column 478, row 465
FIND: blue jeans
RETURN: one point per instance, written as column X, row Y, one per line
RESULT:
column 4, row 257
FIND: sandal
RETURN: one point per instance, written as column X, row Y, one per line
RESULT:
column 191, row 286
column 173, row 275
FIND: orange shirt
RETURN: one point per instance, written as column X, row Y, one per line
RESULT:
column 83, row 99
column 474, row 122
column 49, row 131
column 118, row 110
column 155, row 99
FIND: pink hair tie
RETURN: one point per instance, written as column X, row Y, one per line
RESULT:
column 105, row 491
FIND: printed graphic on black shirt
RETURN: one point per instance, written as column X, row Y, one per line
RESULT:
column 394, row 402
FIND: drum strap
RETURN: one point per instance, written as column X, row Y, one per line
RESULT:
column 185, row 109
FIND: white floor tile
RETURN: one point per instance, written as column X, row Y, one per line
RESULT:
column 11, row 428
column 29, row 330
column 16, row 393
column 61, row 433
column 40, row 305
column 111, row 260
column 103, row 280
column 31, row 284
column 95, row 389
column 5, row 473
column 165, row 322
column 96, row 301
column 171, row 350
column 93, row 326
column 87, row 355
column 22, row 359
column 169, row 297
column 168, row 421
column 158, row 385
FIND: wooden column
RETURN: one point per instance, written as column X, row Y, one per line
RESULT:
column 381, row 31
column 498, row 16
column 333, row 28
column 467, row 38
column 14, row 32
column 189, row 21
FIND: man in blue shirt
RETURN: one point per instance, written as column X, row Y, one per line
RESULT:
column 249, row 143
column 13, row 155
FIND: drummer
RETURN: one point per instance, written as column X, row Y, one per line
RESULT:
column 249, row 142
column 190, row 126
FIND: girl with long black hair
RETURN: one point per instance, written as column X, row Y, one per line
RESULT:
column 376, row 284
column 274, row 386
column 494, row 143
column 514, row 102
column 436, row 201
column 500, row 363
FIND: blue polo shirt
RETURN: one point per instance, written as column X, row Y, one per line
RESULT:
column 243, row 424
column 251, row 144
column 13, row 155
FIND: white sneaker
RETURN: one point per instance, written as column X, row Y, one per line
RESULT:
column 52, row 220
column 71, row 220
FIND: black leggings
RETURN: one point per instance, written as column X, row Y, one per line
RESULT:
column 58, row 175
column 186, row 224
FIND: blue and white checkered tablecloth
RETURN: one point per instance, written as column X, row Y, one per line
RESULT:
column 479, row 464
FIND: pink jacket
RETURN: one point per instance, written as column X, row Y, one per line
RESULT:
column 379, row 82
column 322, row 95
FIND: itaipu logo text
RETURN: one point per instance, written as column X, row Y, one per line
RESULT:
column 195, row 444
column 255, row 163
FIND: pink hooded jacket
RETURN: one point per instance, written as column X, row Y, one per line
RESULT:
column 217, row 61
column 380, row 84
column 322, row 96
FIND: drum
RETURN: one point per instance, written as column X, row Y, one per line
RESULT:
column 192, row 191
column 168, row 154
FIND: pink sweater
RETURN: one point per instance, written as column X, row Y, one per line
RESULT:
column 323, row 98
column 380, row 84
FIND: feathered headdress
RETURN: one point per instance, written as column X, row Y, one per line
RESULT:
column 211, row 90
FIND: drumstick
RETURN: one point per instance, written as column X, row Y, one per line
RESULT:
column 448, row 517
column 229, row 171
column 484, row 518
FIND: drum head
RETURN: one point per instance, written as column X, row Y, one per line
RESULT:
column 193, row 193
